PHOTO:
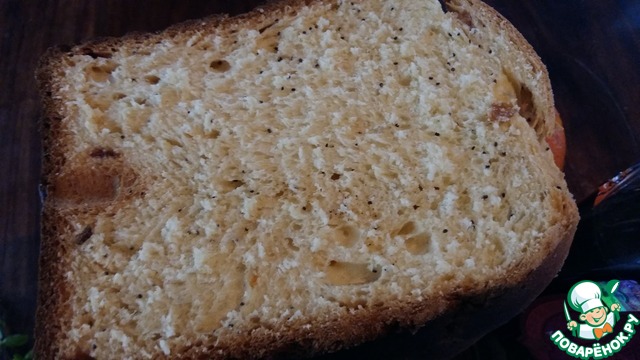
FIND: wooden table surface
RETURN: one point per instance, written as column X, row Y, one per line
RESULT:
column 591, row 47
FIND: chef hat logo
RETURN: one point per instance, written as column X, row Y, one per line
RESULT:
column 585, row 296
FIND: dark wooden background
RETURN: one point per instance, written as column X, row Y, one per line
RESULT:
column 591, row 47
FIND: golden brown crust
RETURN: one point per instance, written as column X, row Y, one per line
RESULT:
column 452, row 322
column 50, row 311
column 52, row 288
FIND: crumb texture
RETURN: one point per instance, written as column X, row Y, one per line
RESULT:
column 305, row 165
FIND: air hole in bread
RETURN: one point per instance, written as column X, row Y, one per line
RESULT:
column 525, row 103
column 407, row 228
column 291, row 244
column 84, row 235
column 418, row 244
column 405, row 81
column 252, row 279
column 152, row 79
column 466, row 18
column 507, row 87
column 118, row 96
column 347, row 235
column 348, row 273
column 220, row 65
column 140, row 101
column 464, row 200
column 269, row 40
column 230, row 185
column 100, row 73
column 173, row 142
column 212, row 134
column 95, row 54
column 262, row 29
column 103, row 153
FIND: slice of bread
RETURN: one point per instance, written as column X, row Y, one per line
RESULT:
column 297, row 180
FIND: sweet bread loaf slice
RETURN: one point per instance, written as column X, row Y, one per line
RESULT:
column 298, row 180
